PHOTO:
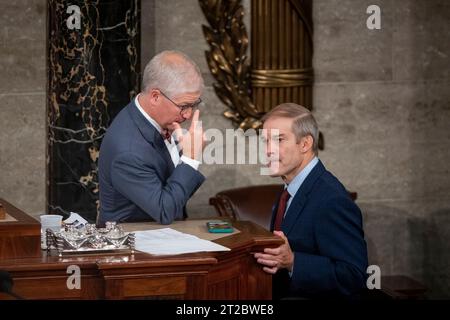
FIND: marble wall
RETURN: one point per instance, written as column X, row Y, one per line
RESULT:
column 93, row 72
column 381, row 99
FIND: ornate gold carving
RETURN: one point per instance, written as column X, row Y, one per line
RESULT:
column 282, row 78
column 227, row 60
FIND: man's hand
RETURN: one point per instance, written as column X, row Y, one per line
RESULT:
column 193, row 141
column 276, row 258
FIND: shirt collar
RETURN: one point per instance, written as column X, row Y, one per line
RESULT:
column 297, row 182
column 145, row 114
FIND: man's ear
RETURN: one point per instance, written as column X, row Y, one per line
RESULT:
column 154, row 96
column 307, row 143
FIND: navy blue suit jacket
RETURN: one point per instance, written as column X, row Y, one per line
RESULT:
column 324, row 229
column 138, row 180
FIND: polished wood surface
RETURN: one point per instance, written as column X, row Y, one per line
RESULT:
column 19, row 238
column 213, row 275
column 2, row 212
column 402, row 287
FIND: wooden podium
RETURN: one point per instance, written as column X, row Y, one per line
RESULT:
column 215, row 275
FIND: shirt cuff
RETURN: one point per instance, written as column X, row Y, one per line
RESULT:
column 291, row 272
column 191, row 162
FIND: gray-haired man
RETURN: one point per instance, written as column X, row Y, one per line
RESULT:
column 144, row 173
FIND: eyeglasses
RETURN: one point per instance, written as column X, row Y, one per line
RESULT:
column 185, row 107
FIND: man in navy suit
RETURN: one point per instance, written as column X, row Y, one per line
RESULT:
column 324, row 254
column 144, row 172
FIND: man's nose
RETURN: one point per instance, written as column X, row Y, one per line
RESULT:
column 187, row 114
column 268, row 149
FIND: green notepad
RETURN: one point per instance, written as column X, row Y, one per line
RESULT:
column 219, row 226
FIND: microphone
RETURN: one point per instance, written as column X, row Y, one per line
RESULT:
column 6, row 284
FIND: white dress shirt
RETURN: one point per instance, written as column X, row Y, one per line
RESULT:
column 171, row 146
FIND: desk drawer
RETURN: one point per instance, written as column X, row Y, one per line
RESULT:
column 145, row 287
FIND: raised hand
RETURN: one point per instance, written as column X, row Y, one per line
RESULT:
column 192, row 141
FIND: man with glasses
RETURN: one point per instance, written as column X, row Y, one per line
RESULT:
column 148, row 169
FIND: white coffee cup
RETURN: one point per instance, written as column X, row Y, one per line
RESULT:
column 52, row 222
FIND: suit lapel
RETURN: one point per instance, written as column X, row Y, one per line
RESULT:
column 164, row 152
column 301, row 198
column 150, row 134
column 293, row 212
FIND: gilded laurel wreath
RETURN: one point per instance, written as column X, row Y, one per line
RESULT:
column 227, row 60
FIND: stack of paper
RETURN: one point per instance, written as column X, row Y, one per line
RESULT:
column 168, row 241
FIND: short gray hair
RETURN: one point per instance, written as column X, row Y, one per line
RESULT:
column 303, row 125
column 173, row 72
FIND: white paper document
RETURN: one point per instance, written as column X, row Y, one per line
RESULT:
column 75, row 219
column 168, row 241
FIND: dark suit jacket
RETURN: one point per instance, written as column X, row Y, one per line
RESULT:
column 138, row 180
column 324, row 229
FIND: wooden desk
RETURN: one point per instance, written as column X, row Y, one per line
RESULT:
column 222, row 275
column 20, row 234
column 402, row 287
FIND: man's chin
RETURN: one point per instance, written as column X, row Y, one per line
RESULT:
column 274, row 170
column 274, row 175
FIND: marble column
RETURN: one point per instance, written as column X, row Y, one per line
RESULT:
column 93, row 72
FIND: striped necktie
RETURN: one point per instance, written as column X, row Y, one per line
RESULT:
column 166, row 135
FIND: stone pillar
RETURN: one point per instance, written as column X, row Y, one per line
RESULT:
column 93, row 72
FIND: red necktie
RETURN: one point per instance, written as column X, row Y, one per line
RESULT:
column 166, row 135
column 281, row 209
